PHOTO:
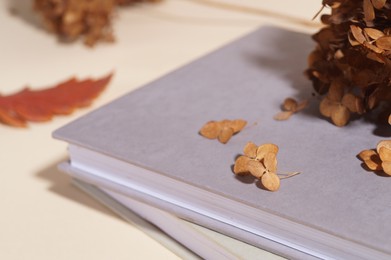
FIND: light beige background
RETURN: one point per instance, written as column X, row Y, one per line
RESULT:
column 42, row 215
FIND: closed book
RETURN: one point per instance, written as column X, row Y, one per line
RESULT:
column 146, row 145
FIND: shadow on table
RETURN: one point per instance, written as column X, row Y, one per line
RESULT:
column 61, row 184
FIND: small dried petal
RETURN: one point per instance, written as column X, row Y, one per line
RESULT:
column 237, row 125
column 373, row 47
column 289, row 104
column 270, row 181
column 225, row 134
column 265, row 149
column 383, row 143
column 326, row 107
column 385, row 154
column 379, row 4
column 357, row 33
column 366, row 154
column 250, row 150
column 210, row 130
column 303, row 104
column 284, row 115
column 349, row 101
column 240, row 167
column 270, row 162
column 384, row 43
column 336, row 91
column 256, row 168
column 373, row 33
column 386, row 167
column 369, row 11
column 375, row 57
column 389, row 119
column 340, row 115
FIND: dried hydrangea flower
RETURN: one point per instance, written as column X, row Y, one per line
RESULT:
column 379, row 159
column 222, row 130
column 260, row 162
column 354, row 48
column 289, row 107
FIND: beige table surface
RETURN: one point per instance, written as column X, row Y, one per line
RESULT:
column 42, row 215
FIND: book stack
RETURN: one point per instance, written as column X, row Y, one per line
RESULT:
column 143, row 152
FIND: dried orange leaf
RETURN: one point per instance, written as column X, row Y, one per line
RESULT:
column 250, row 150
column 270, row 181
column 265, row 149
column 225, row 134
column 386, row 167
column 210, row 130
column 379, row 4
column 340, row 115
column 41, row 105
column 373, row 33
column 384, row 43
column 284, row 115
column 237, row 125
column 270, row 162
column 256, row 168
column 240, row 167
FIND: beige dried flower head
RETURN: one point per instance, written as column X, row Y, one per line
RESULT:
column 289, row 107
column 222, row 130
column 379, row 159
column 260, row 162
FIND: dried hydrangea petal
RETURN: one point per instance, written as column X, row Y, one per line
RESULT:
column 225, row 134
column 373, row 33
column 357, row 34
column 240, row 167
column 384, row 43
column 210, row 130
column 265, row 149
column 284, row 115
column 386, row 167
column 289, row 104
column 326, row 107
column 374, row 163
column 256, row 168
column 336, row 91
column 383, row 143
column 349, row 101
column 340, row 115
column 366, row 154
column 237, row 125
column 385, row 154
column 369, row 11
column 250, row 150
column 270, row 162
column 379, row 4
column 270, row 181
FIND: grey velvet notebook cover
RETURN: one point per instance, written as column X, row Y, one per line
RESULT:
column 156, row 127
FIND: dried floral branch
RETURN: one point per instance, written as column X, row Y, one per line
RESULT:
column 351, row 64
column 70, row 19
column 222, row 130
column 261, row 162
column 41, row 105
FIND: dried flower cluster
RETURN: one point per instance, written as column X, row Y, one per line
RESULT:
column 351, row 63
column 222, row 130
column 289, row 107
column 70, row 19
column 261, row 162
column 379, row 159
